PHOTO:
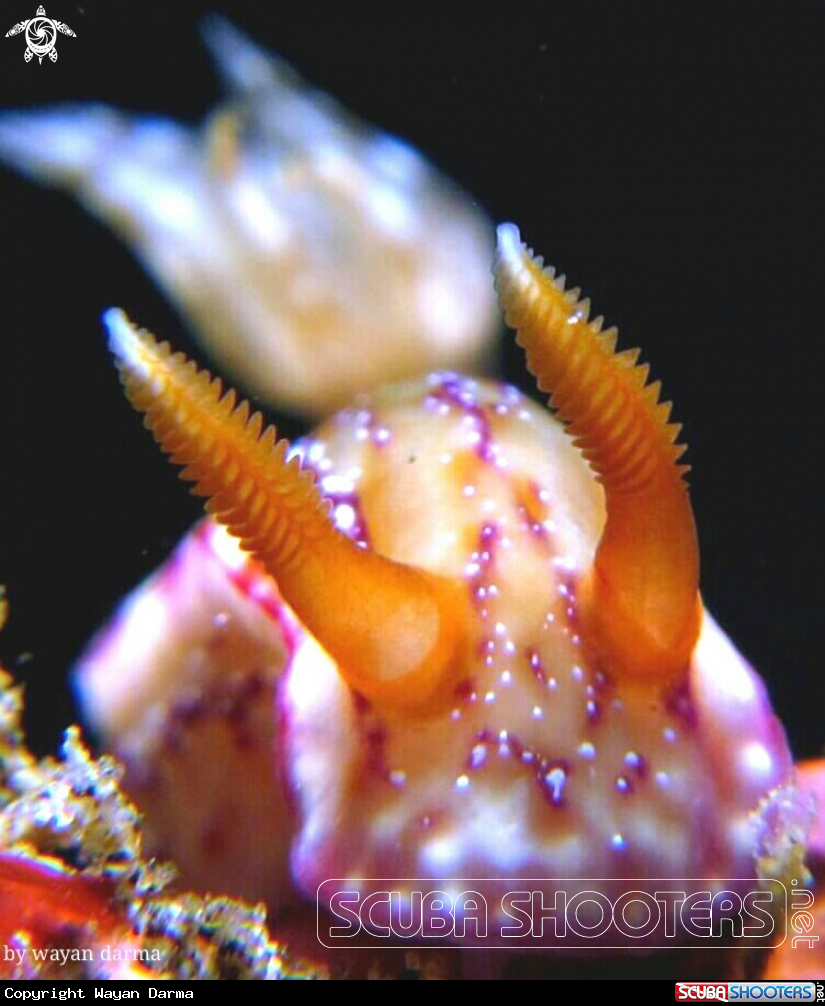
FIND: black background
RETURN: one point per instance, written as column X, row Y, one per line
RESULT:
column 666, row 157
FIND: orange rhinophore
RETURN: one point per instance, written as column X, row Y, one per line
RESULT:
column 639, row 601
column 396, row 631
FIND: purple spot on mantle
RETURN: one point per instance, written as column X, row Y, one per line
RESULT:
column 553, row 781
column 232, row 702
column 461, row 393
column 551, row 774
column 680, row 703
column 536, row 665
column 636, row 763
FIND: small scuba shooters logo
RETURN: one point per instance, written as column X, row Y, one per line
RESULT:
column 749, row 992
column 41, row 35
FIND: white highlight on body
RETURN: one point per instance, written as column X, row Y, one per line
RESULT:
column 757, row 759
column 732, row 680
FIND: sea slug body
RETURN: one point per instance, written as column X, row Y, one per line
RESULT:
column 484, row 656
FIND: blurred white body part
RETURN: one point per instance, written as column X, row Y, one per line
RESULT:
column 314, row 256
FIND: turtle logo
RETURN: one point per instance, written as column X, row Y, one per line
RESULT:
column 41, row 34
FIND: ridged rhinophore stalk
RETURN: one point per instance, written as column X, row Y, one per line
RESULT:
column 639, row 601
column 396, row 632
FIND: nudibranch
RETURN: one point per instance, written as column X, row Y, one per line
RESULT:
column 448, row 634
column 314, row 256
